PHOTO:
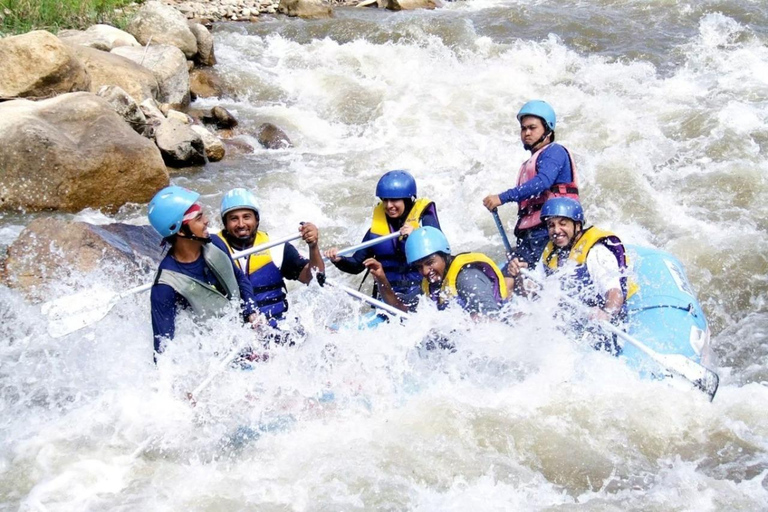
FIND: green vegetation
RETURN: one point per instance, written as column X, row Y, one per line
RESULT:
column 19, row 16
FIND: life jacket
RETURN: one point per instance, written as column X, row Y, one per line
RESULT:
column 206, row 300
column 448, row 291
column 529, row 213
column 403, row 278
column 265, row 276
column 578, row 254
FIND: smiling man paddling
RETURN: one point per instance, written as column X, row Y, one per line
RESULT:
column 549, row 172
column 591, row 263
column 268, row 270
column 194, row 274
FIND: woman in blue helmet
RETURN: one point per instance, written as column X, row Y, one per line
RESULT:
column 549, row 172
column 399, row 210
column 591, row 263
column 472, row 279
column 194, row 274
column 267, row 270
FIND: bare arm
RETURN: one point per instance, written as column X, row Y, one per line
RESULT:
column 377, row 271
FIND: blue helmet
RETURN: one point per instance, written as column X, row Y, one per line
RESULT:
column 166, row 210
column 563, row 207
column 424, row 242
column 236, row 199
column 396, row 185
column 539, row 109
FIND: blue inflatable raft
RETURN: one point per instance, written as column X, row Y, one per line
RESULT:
column 665, row 313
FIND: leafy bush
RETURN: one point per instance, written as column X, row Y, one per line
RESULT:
column 18, row 16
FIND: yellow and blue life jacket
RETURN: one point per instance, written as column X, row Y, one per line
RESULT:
column 448, row 291
column 404, row 279
column 578, row 254
column 265, row 277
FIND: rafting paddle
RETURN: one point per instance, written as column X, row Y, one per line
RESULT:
column 86, row 307
column 699, row 375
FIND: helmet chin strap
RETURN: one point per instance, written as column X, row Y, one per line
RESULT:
column 529, row 147
column 201, row 239
column 187, row 234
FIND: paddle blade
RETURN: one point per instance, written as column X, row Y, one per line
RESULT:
column 702, row 377
column 68, row 314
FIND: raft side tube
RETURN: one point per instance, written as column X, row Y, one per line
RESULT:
column 665, row 314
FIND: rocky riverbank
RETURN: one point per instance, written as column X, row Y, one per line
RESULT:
column 249, row 10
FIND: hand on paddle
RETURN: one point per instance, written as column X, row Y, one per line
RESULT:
column 376, row 269
column 406, row 230
column 515, row 265
column 492, row 202
column 333, row 254
column 309, row 233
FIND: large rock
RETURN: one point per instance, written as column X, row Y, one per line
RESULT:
column 205, row 55
column 126, row 107
column 73, row 152
column 54, row 249
column 111, row 69
column 157, row 23
column 272, row 137
column 169, row 67
column 214, row 148
column 179, row 144
column 308, row 9
column 100, row 37
column 38, row 65
column 409, row 5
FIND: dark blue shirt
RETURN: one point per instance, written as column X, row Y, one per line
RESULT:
column 165, row 301
column 553, row 166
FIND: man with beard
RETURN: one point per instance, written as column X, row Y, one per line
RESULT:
column 268, row 270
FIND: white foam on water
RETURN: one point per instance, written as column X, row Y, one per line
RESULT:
column 519, row 416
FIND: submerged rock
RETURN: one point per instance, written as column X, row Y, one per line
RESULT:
column 53, row 249
column 272, row 137
column 204, row 84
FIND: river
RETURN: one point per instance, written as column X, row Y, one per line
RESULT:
column 664, row 105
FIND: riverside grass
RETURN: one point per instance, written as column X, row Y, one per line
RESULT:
column 19, row 16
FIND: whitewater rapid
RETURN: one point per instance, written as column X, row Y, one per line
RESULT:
column 664, row 107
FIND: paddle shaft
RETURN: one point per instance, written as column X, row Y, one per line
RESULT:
column 370, row 300
column 699, row 375
column 502, row 231
column 370, row 243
